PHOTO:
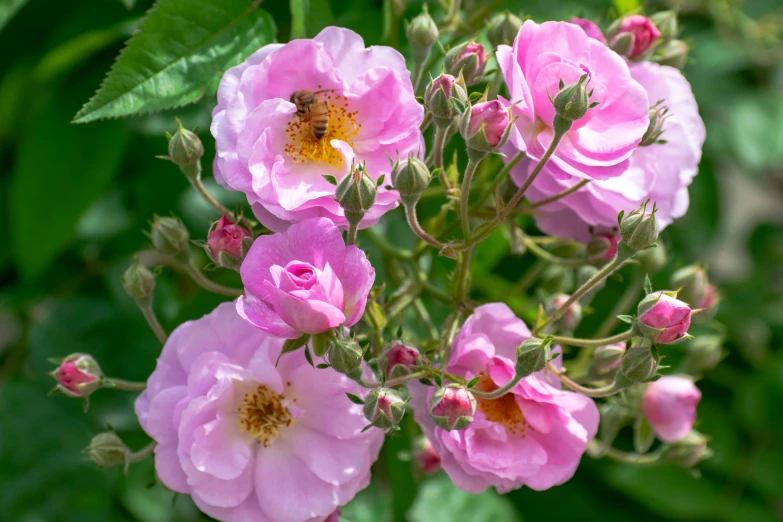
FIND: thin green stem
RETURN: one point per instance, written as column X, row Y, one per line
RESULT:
column 626, row 301
column 143, row 453
column 352, row 229
column 418, row 72
column 394, row 382
column 498, row 179
column 530, row 276
column 599, row 449
column 464, row 200
column 624, row 253
column 438, row 143
column 152, row 320
column 520, row 193
column 424, row 315
column 593, row 343
column 122, row 384
column 206, row 284
column 199, row 186
column 450, row 330
column 496, row 394
column 605, row 391
column 434, row 291
column 413, row 222
column 462, row 276
column 559, row 195
column 545, row 255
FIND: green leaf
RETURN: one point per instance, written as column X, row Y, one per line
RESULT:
column 8, row 8
column 299, row 10
column 474, row 381
column 60, row 171
column 308, row 17
column 380, row 181
column 643, row 435
column 179, row 56
column 331, row 179
column 309, row 357
column 626, row 318
column 439, row 499
column 355, row 398
column 624, row 7
column 648, row 287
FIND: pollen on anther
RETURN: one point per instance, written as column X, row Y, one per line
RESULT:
column 503, row 410
column 262, row 414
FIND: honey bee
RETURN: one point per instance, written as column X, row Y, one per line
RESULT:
column 315, row 109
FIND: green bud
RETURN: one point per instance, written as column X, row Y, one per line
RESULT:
column 384, row 408
column 658, row 114
column 666, row 22
column 356, row 193
column 573, row 101
column 410, row 177
column 503, row 28
column 139, row 283
column 639, row 229
column 422, row 33
column 107, row 449
column 609, row 357
column 692, row 282
column 185, row 151
column 170, row 236
column 639, row 363
column 688, row 451
column 674, row 54
column 345, row 356
column 703, row 354
column 653, row 259
column 622, row 44
column 446, row 97
column 532, row 356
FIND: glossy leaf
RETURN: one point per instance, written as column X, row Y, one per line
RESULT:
column 439, row 499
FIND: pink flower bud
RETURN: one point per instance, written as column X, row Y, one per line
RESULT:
column 452, row 407
column 670, row 406
column 493, row 117
column 635, row 35
column 478, row 50
column 663, row 319
column 78, row 375
column 603, row 245
column 571, row 317
column 227, row 237
column 398, row 359
column 609, row 357
column 710, row 299
column 425, row 456
column 590, row 28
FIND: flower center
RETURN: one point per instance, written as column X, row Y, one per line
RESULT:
column 262, row 415
column 310, row 133
column 503, row 410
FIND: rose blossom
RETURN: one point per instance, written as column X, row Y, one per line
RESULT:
column 534, row 436
column 640, row 30
column 599, row 144
column 670, row 406
column 247, row 439
column 304, row 281
column 268, row 151
column 664, row 319
column 660, row 172
column 590, row 28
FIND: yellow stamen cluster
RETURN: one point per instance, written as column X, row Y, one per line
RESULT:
column 262, row 415
column 503, row 410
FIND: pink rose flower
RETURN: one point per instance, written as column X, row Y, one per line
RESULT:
column 660, row 172
column 663, row 318
column 266, row 149
column 670, row 406
column 249, row 440
column 599, row 144
column 590, row 28
column 533, row 436
column 641, row 31
column 227, row 237
column 304, row 281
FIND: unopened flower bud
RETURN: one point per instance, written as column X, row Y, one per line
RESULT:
column 603, row 245
column 691, row 282
column 609, row 357
column 452, row 407
column 703, row 354
column 570, row 318
column 345, row 356
column 688, row 451
column 486, row 127
column 469, row 60
column 228, row 243
column 422, row 33
column 139, row 283
column 78, row 375
column 532, row 356
column 107, row 449
column 170, row 236
column 356, row 193
column 185, row 151
column 398, row 360
column 708, row 304
column 384, row 408
column 662, row 318
column 658, row 114
column 639, row 229
column 503, row 28
column 410, row 177
column 666, row 22
column 425, row 457
column 445, row 97
column 653, row 259
column 674, row 54
column 633, row 36
column 639, row 363
column 571, row 104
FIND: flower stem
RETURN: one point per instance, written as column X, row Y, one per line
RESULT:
column 464, row 201
column 625, row 302
column 520, row 193
column 624, row 253
column 199, row 186
column 352, row 230
column 418, row 72
column 496, row 394
column 605, row 391
column 122, row 384
column 546, row 256
column 394, row 382
column 598, row 449
column 413, row 222
column 206, row 284
column 560, row 195
column 438, row 143
column 498, row 179
column 593, row 343
column 152, row 320
column 146, row 451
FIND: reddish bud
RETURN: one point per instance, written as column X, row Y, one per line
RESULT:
column 633, row 36
column 78, row 375
column 398, row 360
column 663, row 319
column 452, row 407
column 425, row 457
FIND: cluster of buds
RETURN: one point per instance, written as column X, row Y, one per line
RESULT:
column 658, row 115
column 446, row 98
column 77, row 375
column 356, row 193
column 468, row 61
column 384, row 408
column 662, row 318
column 410, row 177
column 486, row 127
column 503, row 28
column 452, row 407
column 639, row 229
column 399, row 360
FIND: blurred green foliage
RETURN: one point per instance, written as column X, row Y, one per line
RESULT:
column 76, row 197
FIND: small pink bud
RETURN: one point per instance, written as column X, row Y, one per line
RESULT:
column 478, row 50
column 663, row 319
column 609, row 357
column 590, row 28
column 670, row 406
column 226, row 236
column 603, row 245
column 634, row 35
column 493, row 117
column 78, row 375
column 452, row 407
column 384, row 408
column 425, row 457
column 711, row 298
column 572, row 316
column 398, row 360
